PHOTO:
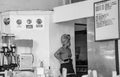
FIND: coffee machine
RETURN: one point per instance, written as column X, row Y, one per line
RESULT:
column 8, row 53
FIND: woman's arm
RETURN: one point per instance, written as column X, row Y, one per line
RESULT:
column 70, row 54
column 57, row 55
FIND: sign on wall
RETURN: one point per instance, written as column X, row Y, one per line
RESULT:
column 106, row 20
column 28, row 22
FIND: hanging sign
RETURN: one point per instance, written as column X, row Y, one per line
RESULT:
column 29, row 24
column 19, row 22
column 39, row 23
column 106, row 20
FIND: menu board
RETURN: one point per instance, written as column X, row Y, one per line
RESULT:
column 106, row 20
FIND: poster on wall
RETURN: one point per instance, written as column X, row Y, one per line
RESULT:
column 106, row 20
column 28, row 22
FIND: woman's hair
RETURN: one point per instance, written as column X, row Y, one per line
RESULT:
column 65, row 38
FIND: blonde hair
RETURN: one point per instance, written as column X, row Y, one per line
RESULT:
column 65, row 38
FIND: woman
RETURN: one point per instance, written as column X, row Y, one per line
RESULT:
column 63, row 54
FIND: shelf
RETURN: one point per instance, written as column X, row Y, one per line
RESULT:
column 81, row 65
column 82, row 68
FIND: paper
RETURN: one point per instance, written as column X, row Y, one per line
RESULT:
column 40, row 71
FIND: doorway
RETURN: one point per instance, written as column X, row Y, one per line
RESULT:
column 81, row 49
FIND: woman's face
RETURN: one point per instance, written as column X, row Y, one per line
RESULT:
column 67, row 44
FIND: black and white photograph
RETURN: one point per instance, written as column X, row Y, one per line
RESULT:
column 59, row 38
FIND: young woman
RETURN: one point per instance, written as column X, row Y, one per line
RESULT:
column 63, row 54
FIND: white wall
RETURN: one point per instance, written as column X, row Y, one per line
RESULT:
column 28, row 4
column 46, row 41
column 40, row 36
column 74, row 11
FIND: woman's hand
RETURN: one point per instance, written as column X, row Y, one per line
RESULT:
column 66, row 61
column 61, row 61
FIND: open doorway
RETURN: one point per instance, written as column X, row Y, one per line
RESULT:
column 81, row 49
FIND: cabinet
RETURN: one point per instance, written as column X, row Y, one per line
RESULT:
column 81, row 53
column 81, row 70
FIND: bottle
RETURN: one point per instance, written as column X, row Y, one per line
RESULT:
column 40, row 70
column 50, row 72
column 64, row 72
column 47, row 72
column 41, row 64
